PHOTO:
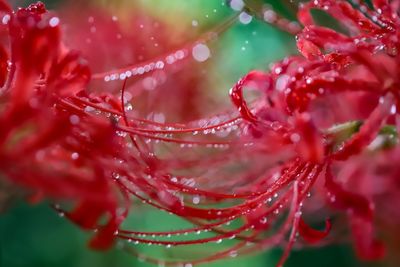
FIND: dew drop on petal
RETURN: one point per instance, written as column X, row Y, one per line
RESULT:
column 393, row 109
column 54, row 21
column 149, row 83
column 74, row 119
column 295, row 138
column 6, row 19
column 233, row 254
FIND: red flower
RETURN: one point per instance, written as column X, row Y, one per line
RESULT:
column 322, row 116
column 43, row 145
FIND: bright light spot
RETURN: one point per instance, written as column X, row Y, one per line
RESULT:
column 54, row 21
column 196, row 200
column 201, row 52
column 149, row 83
column 245, row 18
column 269, row 16
column 6, row 19
column 295, row 138
column 73, row 119
column 237, row 5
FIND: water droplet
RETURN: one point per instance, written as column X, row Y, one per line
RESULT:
column 201, row 52
column 270, row 16
column 233, row 253
column 295, row 137
column 53, row 22
column 128, row 107
column 6, row 19
column 74, row 156
column 236, row 4
column 393, row 109
column 196, row 200
column 149, row 83
column 74, row 119
column 245, row 18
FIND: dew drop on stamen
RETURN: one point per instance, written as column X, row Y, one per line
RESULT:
column 282, row 81
column 233, row 254
column 196, row 200
column 275, row 125
column 141, row 258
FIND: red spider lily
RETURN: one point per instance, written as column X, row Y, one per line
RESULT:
column 322, row 116
column 43, row 145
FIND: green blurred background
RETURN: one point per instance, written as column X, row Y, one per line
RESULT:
column 37, row 236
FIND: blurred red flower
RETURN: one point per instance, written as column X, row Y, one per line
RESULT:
column 321, row 140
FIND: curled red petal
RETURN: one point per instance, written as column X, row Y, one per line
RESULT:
column 105, row 236
column 236, row 93
column 311, row 235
